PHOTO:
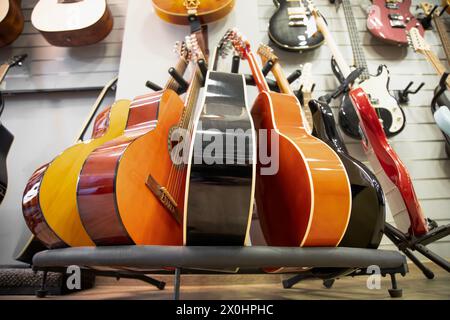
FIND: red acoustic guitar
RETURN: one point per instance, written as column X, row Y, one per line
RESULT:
column 307, row 201
column 389, row 20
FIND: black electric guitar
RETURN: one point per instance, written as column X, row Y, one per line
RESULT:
column 6, row 138
column 293, row 28
column 377, row 87
column 220, row 183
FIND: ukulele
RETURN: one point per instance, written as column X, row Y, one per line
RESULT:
column 11, row 21
column 365, row 228
column 72, row 23
column 178, row 11
column 292, row 27
column 387, row 108
column 307, row 201
column 389, row 20
column 131, row 190
column 220, row 186
column 440, row 27
column 6, row 137
column 49, row 203
column 387, row 166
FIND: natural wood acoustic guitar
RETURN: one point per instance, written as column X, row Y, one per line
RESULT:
column 11, row 21
column 307, row 201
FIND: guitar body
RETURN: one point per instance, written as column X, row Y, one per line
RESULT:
column 386, row 106
column 72, row 23
column 176, row 11
column 368, row 213
column 389, row 169
column 383, row 22
column 11, row 21
column 294, row 35
column 49, row 202
column 220, row 191
column 288, row 211
column 116, row 206
column 6, row 140
column 442, row 115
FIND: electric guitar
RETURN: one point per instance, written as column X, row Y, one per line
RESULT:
column 11, row 21
column 6, row 137
column 440, row 27
column 377, row 87
column 389, row 20
column 387, row 166
column 72, row 23
column 292, row 27
column 306, row 200
column 210, row 217
column 49, row 202
column 365, row 228
column 180, row 11
column 131, row 189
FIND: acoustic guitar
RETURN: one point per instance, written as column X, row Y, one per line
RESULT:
column 178, row 11
column 72, row 23
column 292, row 27
column 220, row 181
column 49, row 201
column 131, row 190
column 307, row 200
column 11, row 21
column 365, row 228
column 6, row 137
column 389, row 20
column 387, row 166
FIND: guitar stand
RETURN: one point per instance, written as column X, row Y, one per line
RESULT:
column 136, row 262
column 408, row 244
column 402, row 96
column 425, row 20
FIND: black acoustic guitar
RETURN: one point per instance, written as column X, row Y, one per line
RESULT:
column 220, row 183
column 368, row 214
column 6, row 138
column 293, row 28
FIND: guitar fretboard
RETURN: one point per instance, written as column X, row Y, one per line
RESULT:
column 3, row 71
column 358, row 53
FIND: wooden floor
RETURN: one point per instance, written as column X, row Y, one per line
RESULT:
column 414, row 285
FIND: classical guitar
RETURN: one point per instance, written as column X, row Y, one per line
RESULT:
column 387, row 166
column 72, row 23
column 49, row 201
column 220, row 185
column 389, row 20
column 11, row 21
column 439, row 25
column 292, row 27
column 306, row 200
column 365, row 228
column 377, row 87
column 6, row 137
column 131, row 189
column 178, row 11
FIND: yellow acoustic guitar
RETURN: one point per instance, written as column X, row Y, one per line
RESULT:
column 49, row 202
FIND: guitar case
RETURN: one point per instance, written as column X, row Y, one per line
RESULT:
column 6, row 139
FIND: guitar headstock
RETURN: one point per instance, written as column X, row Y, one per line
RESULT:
column 182, row 51
column 417, row 42
column 16, row 60
column 192, row 46
column 306, row 82
column 266, row 54
column 240, row 43
column 426, row 7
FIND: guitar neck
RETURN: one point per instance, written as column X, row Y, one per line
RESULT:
column 3, row 71
column 258, row 76
column 443, row 34
column 281, row 79
column 331, row 43
column 358, row 53
column 436, row 63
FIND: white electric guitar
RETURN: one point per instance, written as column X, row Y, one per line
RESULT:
column 72, row 23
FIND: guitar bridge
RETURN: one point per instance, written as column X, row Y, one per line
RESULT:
column 164, row 197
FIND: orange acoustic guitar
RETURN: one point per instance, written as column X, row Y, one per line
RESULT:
column 178, row 11
column 130, row 191
column 307, row 202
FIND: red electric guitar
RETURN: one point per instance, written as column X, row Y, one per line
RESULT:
column 389, row 20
